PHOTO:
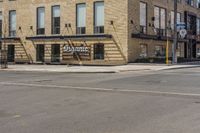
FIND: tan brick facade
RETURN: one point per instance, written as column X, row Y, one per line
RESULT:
column 121, row 21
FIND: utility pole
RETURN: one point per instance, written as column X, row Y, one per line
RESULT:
column 174, row 57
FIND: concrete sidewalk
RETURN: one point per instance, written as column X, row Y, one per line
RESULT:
column 95, row 69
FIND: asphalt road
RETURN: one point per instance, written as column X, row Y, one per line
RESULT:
column 130, row 102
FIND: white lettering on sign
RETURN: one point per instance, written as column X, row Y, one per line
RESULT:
column 80, row 49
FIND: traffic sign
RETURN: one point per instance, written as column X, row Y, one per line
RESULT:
column 183, row 33
column 181, row 25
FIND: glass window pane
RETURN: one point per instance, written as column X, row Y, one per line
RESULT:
column 99, row 14
column 178, row 17
column 81, row 15
column 12, row 20
column 1, row 17
column 157, row 17
column 143, row 15
column 56, row 11
column 41, row 17
column 162, row 21
column 172, row 19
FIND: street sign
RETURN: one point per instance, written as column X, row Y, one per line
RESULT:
column 181, row 26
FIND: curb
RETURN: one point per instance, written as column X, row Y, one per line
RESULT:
column 14, row 70
column 176, row 68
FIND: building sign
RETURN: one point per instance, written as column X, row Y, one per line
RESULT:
column 78, row 49
column 77, row 52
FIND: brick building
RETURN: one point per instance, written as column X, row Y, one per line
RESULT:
column 99, row 32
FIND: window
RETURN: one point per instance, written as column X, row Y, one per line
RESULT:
column 198, row 52
column 12, row 23
column 99, row 17
column 159, row 51
column 80, row 18
column 198, row 3
column 1, row 28
column 198, row 26
column 172, row 19
column 178, row 51
column 99, row 51
column 192, row 25
column 190, row 2
column 40, row 21
column 1, row 24
column 143, row 50
column 143, row 17
column 160, row 21
column 56, row 20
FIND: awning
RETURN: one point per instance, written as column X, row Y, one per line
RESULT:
column 10, row 39
column 71, row 37
column 155, row 37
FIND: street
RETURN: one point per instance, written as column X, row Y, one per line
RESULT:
column 166, row 101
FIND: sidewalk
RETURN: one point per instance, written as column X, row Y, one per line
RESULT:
column 96, row 69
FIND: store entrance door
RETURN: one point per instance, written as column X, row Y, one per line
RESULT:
column 55, row 53
column 11, row 53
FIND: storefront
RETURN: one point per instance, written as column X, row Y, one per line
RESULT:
column 77, row 49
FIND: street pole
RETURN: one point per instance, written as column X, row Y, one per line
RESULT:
column 174, row 58
column 167, row 51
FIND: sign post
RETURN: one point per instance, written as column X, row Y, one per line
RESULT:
column 174, row 57
column 167, row 52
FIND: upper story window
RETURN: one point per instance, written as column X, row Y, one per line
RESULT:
column 172, row 19
column 99, row 17
column 1, row 24
column 81, row 18
column 143, row 17
column 160, row 21
column 198, row 3
column 198, row 26
column 40, row 21
column 190, row 2
column 56, row 20
column 179, row 1
column 192, row 24
column 12, row 23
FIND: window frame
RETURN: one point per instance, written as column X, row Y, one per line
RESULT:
column 80, row 30
column 53, row 27
column 142, row 29
column 98, row 29
column 12, row 33
column 42, row 32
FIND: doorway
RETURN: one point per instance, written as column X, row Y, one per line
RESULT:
column 11, row 53
column 55, row 53
column 40, row 53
